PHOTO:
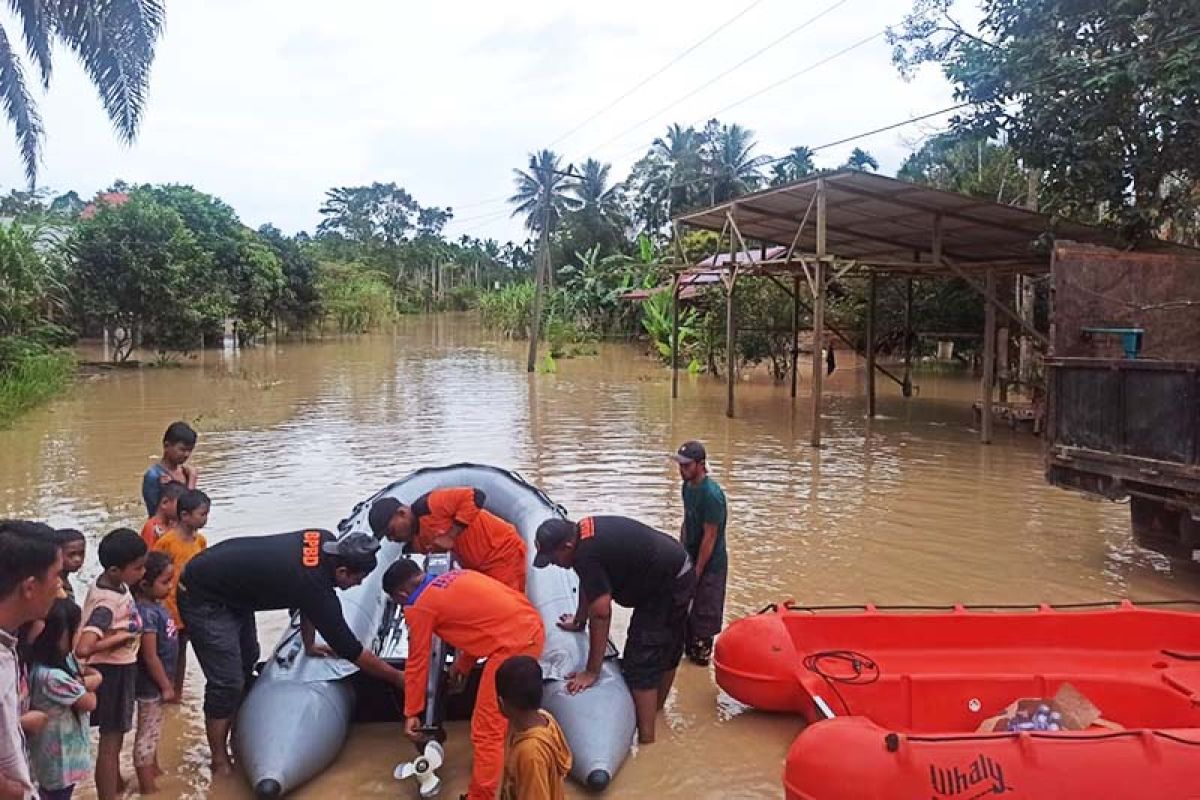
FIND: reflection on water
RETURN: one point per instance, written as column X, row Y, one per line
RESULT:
column 906, row 509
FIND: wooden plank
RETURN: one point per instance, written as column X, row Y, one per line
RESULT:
column 730, row 333
column 872, row 300
column 989, row 363
column 675, row 336
column 818, row 317
column 795, row 331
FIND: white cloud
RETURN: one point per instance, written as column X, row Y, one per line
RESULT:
column 268, row 103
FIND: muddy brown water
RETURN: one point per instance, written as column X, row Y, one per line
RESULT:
column 907, row 509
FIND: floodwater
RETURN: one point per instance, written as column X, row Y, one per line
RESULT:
column 907, row 509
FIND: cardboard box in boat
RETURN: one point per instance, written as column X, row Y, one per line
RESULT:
column 1077, row 712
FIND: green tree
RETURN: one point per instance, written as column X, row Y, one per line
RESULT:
column 1104, row 98
column 795, row 165
column 67, row 205
column 680, row 153
column 968, row 165
column 243, row 270
column 139, row 269
column 861, row 160
column 115, row 43
column 300, row 304
column 731, row 168
column 356, row 297
column 544, row 192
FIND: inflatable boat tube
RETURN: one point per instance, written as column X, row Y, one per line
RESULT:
column 296, row 717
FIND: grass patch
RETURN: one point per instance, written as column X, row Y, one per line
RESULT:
column 31, row 380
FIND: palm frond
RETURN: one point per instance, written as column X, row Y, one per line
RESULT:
column 37, row 25
column 115, row 42
column 20, row 108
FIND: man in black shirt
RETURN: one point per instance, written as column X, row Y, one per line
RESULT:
column 620, row 559
column 223, row 586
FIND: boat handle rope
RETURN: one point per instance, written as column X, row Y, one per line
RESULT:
column 892, row 740
column 1181, row 656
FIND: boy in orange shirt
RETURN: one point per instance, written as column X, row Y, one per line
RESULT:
column 480, row 617
column 538, row 758
column 183, row 543
column 166, row 515
column 454, row 519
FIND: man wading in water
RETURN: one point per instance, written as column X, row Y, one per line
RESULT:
column 620, row 559
column 703, row 536
column 223, row 586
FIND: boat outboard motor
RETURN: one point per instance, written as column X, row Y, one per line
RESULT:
column 430, row 755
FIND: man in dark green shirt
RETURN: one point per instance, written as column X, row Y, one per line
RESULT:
column 703, row 536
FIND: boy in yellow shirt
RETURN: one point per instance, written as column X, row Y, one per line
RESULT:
column 183, row 543
column 538, row 759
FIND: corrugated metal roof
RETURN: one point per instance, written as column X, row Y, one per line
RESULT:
column 888, row 223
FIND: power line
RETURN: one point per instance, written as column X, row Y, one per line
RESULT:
column 658, row 72
column 921, row 117
column 714, row 79
column 777, row 84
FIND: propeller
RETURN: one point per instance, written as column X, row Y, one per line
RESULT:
column 422, row 768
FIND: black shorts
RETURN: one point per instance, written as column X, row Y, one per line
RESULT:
column 115, row 698
column 656, row 632
column 225, row 642
column 708, row 606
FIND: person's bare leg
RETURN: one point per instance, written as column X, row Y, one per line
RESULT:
column 217, row 731
column 108, row 766
column 147, row 779
column 645, row 708
column 180, row 668
column 664, row 687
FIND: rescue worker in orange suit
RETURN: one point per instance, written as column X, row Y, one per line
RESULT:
column 454, row 519
column 483, row 619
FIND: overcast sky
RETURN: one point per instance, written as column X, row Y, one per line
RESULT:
column 268, row 103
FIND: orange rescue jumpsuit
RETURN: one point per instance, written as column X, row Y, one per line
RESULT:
column 483, row 619
column 487, row 544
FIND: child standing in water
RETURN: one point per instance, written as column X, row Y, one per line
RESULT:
column 60, row 754
column 182, row 543
column 109, row 642
column 74, row 548
column 166, row 516
column 538, row 759
column 178, row 443
column 156, row 667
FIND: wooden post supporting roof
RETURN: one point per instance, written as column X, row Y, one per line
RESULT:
column 906, row 388
column 730, row 329
column 872, row 298
column 989, row 362
column 675, row 336
column 795, row 330
column 818, row 372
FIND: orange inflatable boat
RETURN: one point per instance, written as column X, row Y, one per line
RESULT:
column 901, row 701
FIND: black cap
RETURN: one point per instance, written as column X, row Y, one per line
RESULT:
column 357, row 549
column 551, row 535
column 381, row 513
column 689, row 452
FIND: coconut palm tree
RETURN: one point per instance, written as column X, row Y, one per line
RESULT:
column 861, row 160
column 792, row 167
column 680, row 152
column 545, row 192
column 595, row 194
column 731, row 167
column 113, row 39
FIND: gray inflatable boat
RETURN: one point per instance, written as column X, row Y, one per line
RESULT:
column 296, row 717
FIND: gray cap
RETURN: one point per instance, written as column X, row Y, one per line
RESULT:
column 354, row 547
column 689, row 452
